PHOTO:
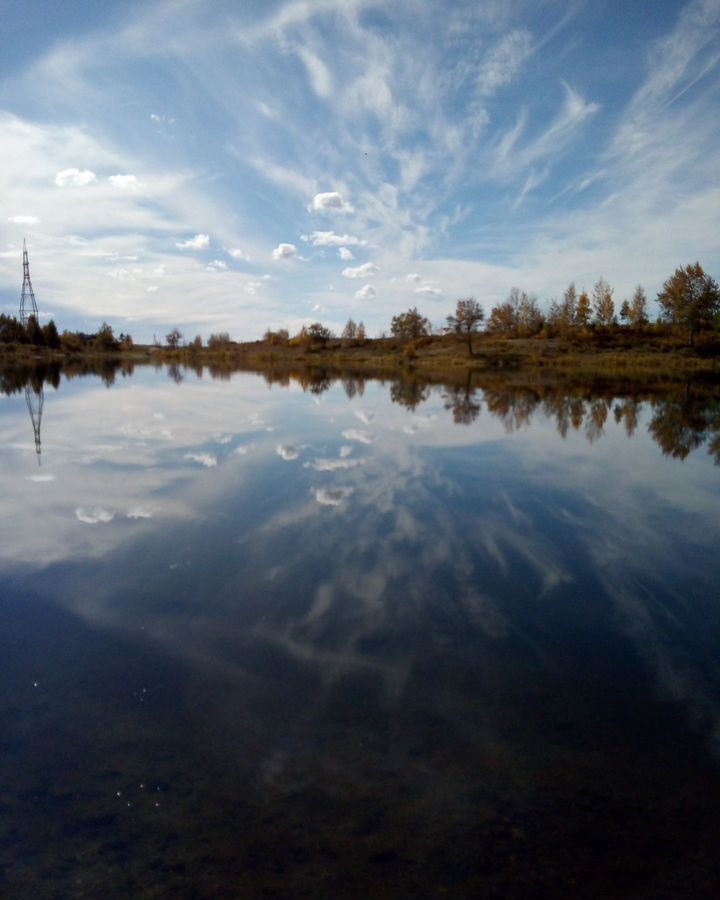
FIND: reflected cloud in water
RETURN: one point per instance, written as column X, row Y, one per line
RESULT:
column 493, row 610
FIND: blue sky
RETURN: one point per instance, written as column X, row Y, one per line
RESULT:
column 223, row 166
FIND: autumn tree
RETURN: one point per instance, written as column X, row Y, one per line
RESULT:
column 638, row 307
column 690, row 299
column 603, row 305
column 360, row 335
column 105, row 338
column 173, row 338
column 468, row 317
column 350, row 330
column 625, row 312
column 530, row 319
column 568, row 308
column 319, row 332
column 518, row 315
column 582, row 310
column 410, row 325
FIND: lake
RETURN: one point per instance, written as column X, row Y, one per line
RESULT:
column 308, row 636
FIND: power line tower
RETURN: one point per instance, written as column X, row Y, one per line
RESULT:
column 28, row 306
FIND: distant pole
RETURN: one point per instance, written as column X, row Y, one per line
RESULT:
column 28, row 306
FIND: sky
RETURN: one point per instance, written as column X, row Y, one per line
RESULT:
column 232, row 166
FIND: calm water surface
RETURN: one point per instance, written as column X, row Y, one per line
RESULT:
column 357, row 640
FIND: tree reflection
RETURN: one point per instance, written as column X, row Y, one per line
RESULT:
column 681, row 425
column 461, row 399
column 409, row 394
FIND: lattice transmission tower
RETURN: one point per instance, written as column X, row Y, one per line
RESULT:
column 28, row 306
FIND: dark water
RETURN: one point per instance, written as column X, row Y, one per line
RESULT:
column 348, row 639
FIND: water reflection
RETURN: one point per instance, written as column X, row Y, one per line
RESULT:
column 354, row 647
column 34, row 400
column 684, row 417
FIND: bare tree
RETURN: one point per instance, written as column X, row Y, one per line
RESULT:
column 468, row 317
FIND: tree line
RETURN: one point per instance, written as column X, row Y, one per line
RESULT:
column 31, row 333
column 689, row 300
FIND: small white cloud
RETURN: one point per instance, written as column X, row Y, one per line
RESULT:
column 284, row 251
column 199, row 242
column 345, row 254
column 152, row 288
column 217, row 265
column 332, row 497
column 139, row 512
column 332, row 465
column 365, row 415
column 237, row 253
column 345, row 451
column 209, row 460
column 367, row 292
column 74, row 178
column 287, row 451
column 24, row 220
column 40, row 478
column 428, row 288
column 252, row 287
column 317, row 72
column 318, row 308
column 243, row 449
column 330, row 201
column 124, row 181
column 162, row 120
column 414, row 277
column 93, row 515
column 366, row 270
column 354, row 434
column 330, row 239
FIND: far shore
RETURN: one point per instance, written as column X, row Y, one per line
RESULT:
column 617, row 353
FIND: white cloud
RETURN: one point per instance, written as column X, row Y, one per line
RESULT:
column 139, row 512
column 124, row 181
column 332, row 496
column 199, row 242
column 367, row 292
column 345, row 254
column 284, row 251
column 24, row 220
column 428, row 288
column 287, row 451
column 355, row 434
column 365, row 415
column 217, row 265
column 317, row 71
column 366, row 270
column 332, row 465
column 152, row 288
column 413, row 276
column 40, row 478
column 93, row 515
column 237, row 253
column 74, row 178
column 209, row 460
column 504, row 62
column 330, row 201
column 331, row 239
column 345, row 451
